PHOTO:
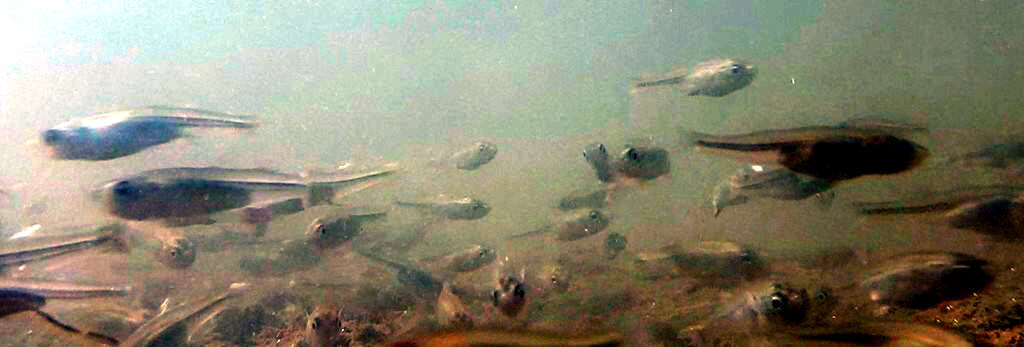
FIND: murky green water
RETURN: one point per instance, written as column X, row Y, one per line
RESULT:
column 378, row 83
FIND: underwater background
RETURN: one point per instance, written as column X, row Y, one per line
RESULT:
column 376, row 82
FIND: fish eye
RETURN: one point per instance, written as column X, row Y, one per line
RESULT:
column 777, row 302
column 519, row 292
column 632, row 154
column 316, row 323
column 483, row 147
column 736, row 69
column 495, row 296
column 594, row 214
column 52, row 136
column 124, row 188
column 321, row 229
column 174, row 253
column 601, row 148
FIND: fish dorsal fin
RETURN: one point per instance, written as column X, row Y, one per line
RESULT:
column 916, row 125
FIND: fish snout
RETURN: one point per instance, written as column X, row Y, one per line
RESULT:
column 53, row 137
column 316, row 230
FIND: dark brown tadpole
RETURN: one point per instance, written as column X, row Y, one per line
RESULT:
column 828, row 153
column 846, row 158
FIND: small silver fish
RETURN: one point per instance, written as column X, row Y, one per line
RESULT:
column 758, row 182
column 27, row 249
column 159, row 328
column 63, row 290
column 935, row 201
column 475, row 156
column 190, row 192
column 996, row 210
column 117, row 134
column 715, row 77
column 454, row 208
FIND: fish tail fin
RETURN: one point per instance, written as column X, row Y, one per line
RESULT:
column 323, row 190
column 531, row 233
column 641, row 85
column 689, row 138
